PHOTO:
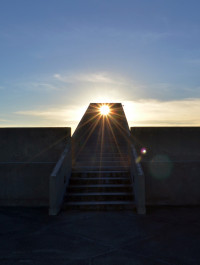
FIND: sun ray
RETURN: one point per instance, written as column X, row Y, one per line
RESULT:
column 89, row 131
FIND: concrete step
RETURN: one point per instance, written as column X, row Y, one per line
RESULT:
column 101, row 173
column 107, row 149
column 104, row 188
column 119, row 141
column 105, row 155
column 99, row 196
column 102, row 159
column 105, row 138
column 100, row 205
column 101, row 164
column 98, row 180
column 100, row 185
column 100, row 168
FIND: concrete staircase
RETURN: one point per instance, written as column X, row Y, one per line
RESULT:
column 100, row 183
column 101, row 169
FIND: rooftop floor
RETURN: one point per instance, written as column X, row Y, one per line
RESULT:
column 163, row 236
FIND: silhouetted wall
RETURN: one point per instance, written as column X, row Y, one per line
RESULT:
column 27, row 158
column 25, row 184
column 32, row 144
column 171, row 164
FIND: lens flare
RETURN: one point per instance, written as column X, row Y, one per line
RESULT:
column 138, row 160
column 161, row 166
column 143, row 151
column 104, row 110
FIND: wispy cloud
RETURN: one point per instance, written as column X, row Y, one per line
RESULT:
column 103, row 78
column 139, row 113
column 41, row 86
column 93, row 86
column 104, row 86
column 60, row 116
column 119, row 88
column 56, row 113
column 158, row 113
column 73, row 82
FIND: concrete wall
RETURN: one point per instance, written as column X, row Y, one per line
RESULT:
column 177, row 142
column 59, row 180
column 27, row 158
column 32, row 144
column 24, row 185
column 171, row 165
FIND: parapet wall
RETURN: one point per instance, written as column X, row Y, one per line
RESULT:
column 176, row 142
column 27, row 158
column 171, row 164
column 32, row 144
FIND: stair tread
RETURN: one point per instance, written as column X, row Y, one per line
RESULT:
column 102, row 157
column 77, row 170
column 89, row 166
column 97, row 193
column 99, row 178
column 96, row 158
column 87, row 152
column 100, row 202
column 102, row 161
column 116, row 165
column 100, row 185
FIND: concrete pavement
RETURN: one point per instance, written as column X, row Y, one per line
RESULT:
column 163, row 236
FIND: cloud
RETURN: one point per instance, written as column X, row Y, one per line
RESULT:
column 40, row 86
column 117, row 88
column 105, row 86
column 158, row 113
column 138, row 113
column 60, row 116
column 75, row 84
column 98, row 77
column 59, row 113
column 93, row 86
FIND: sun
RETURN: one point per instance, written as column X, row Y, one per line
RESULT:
column 104, row 110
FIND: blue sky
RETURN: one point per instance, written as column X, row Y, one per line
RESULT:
column 58, row 56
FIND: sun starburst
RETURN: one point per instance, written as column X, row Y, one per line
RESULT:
column 104, row 110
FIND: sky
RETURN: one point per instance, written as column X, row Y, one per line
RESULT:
column 57, row 56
